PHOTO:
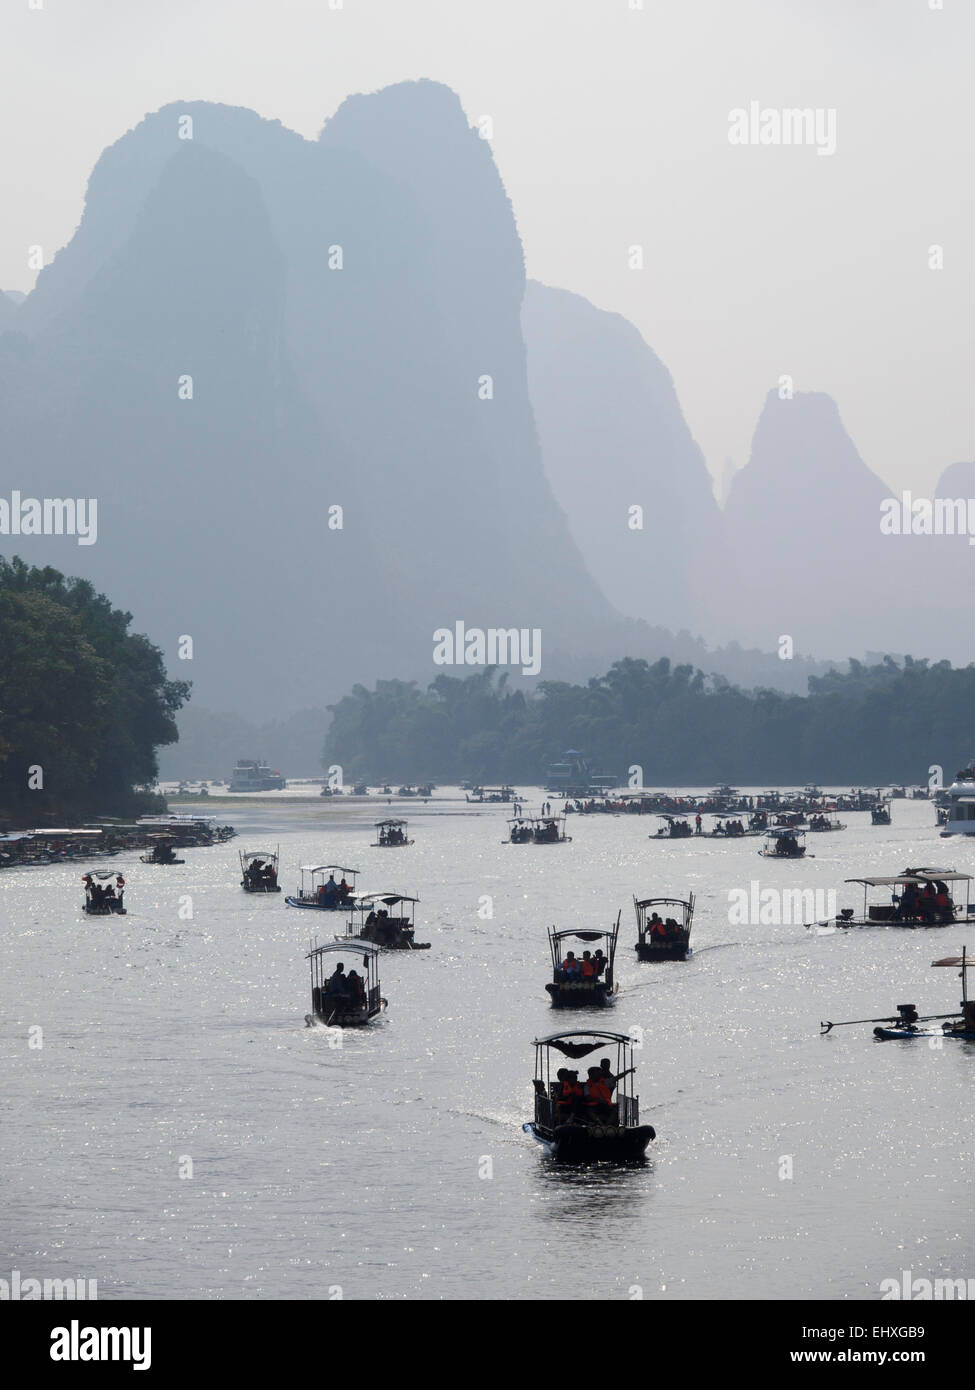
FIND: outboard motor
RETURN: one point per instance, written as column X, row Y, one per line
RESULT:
column 908, row 1013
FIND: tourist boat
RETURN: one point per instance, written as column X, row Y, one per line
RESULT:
column 571, row 991
column 576, row 1132
column 821, row 824
column 259, row 870
column 319, row 889
column 663, row 927
column 960, row 803
column 880, row 814
column 676, row 827
column 537, row 830
column 730, row 827
column 390, row 834
column 387, row 920
column 788, row 820
column 904, row 911
column 406, row 791
column 104, row 894
column 330, row 1004
column 252, row 776
column 161, row 852
column 360, row 789
column 904, row 1024
column 478, row 795
column 784, row 842
column 426, row 789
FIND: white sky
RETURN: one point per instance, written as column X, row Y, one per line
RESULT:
column 610, row 128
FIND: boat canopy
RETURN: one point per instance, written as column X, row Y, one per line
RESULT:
column 653, row 902
column 583, row 935
column 956, row 960
column 391, row 820
column 259, row 854
column 594, row 1041
column 915, row 876
column 325, row 868
column 356, row 947
column 387, row 898
column 92, row 874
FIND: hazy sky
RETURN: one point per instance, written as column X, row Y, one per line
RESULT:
column 610, row 129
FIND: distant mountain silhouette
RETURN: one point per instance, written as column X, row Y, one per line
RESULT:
column 350, row 313
column 802, row 525
column 613, row 436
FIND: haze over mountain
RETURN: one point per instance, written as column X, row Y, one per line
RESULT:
column 613, row 437
column 248, row 329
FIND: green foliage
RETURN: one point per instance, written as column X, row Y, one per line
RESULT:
column 873, row 724
column 80, row 697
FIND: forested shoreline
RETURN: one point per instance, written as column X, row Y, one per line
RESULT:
column 873, row 724
column 84, row 703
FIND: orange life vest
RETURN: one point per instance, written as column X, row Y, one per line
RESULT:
column 588, row 970
column 597, row 1092
column 571, row 1090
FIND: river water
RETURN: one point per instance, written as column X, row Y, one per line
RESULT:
column 180, row 1133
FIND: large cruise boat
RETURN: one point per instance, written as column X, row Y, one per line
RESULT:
column 250, row 776
column 961, row 803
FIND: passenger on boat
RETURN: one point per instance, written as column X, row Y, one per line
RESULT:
column 344, row 889
column 598, row 1095
column 371, row 919
column 338, row 981
column 600, row 962
column 571, row 969
column 570, row 1096
column 655, row 926
column 671, row 928
column 588, row 966
column 697, row 823
column 357, row 987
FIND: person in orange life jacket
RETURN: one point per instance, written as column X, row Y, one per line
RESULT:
column 570, row 1095
column 588, row 967
column 571, row 968
column 600, row 962
column 656, row 925
column 599, row 1097
column 697, row 822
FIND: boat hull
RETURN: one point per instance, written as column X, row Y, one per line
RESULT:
column 676, row 950
column 579, row 995
column 248, row 888
column 898, row 1034
column 104, row 911
column 320, row 907
column 593, row 1143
